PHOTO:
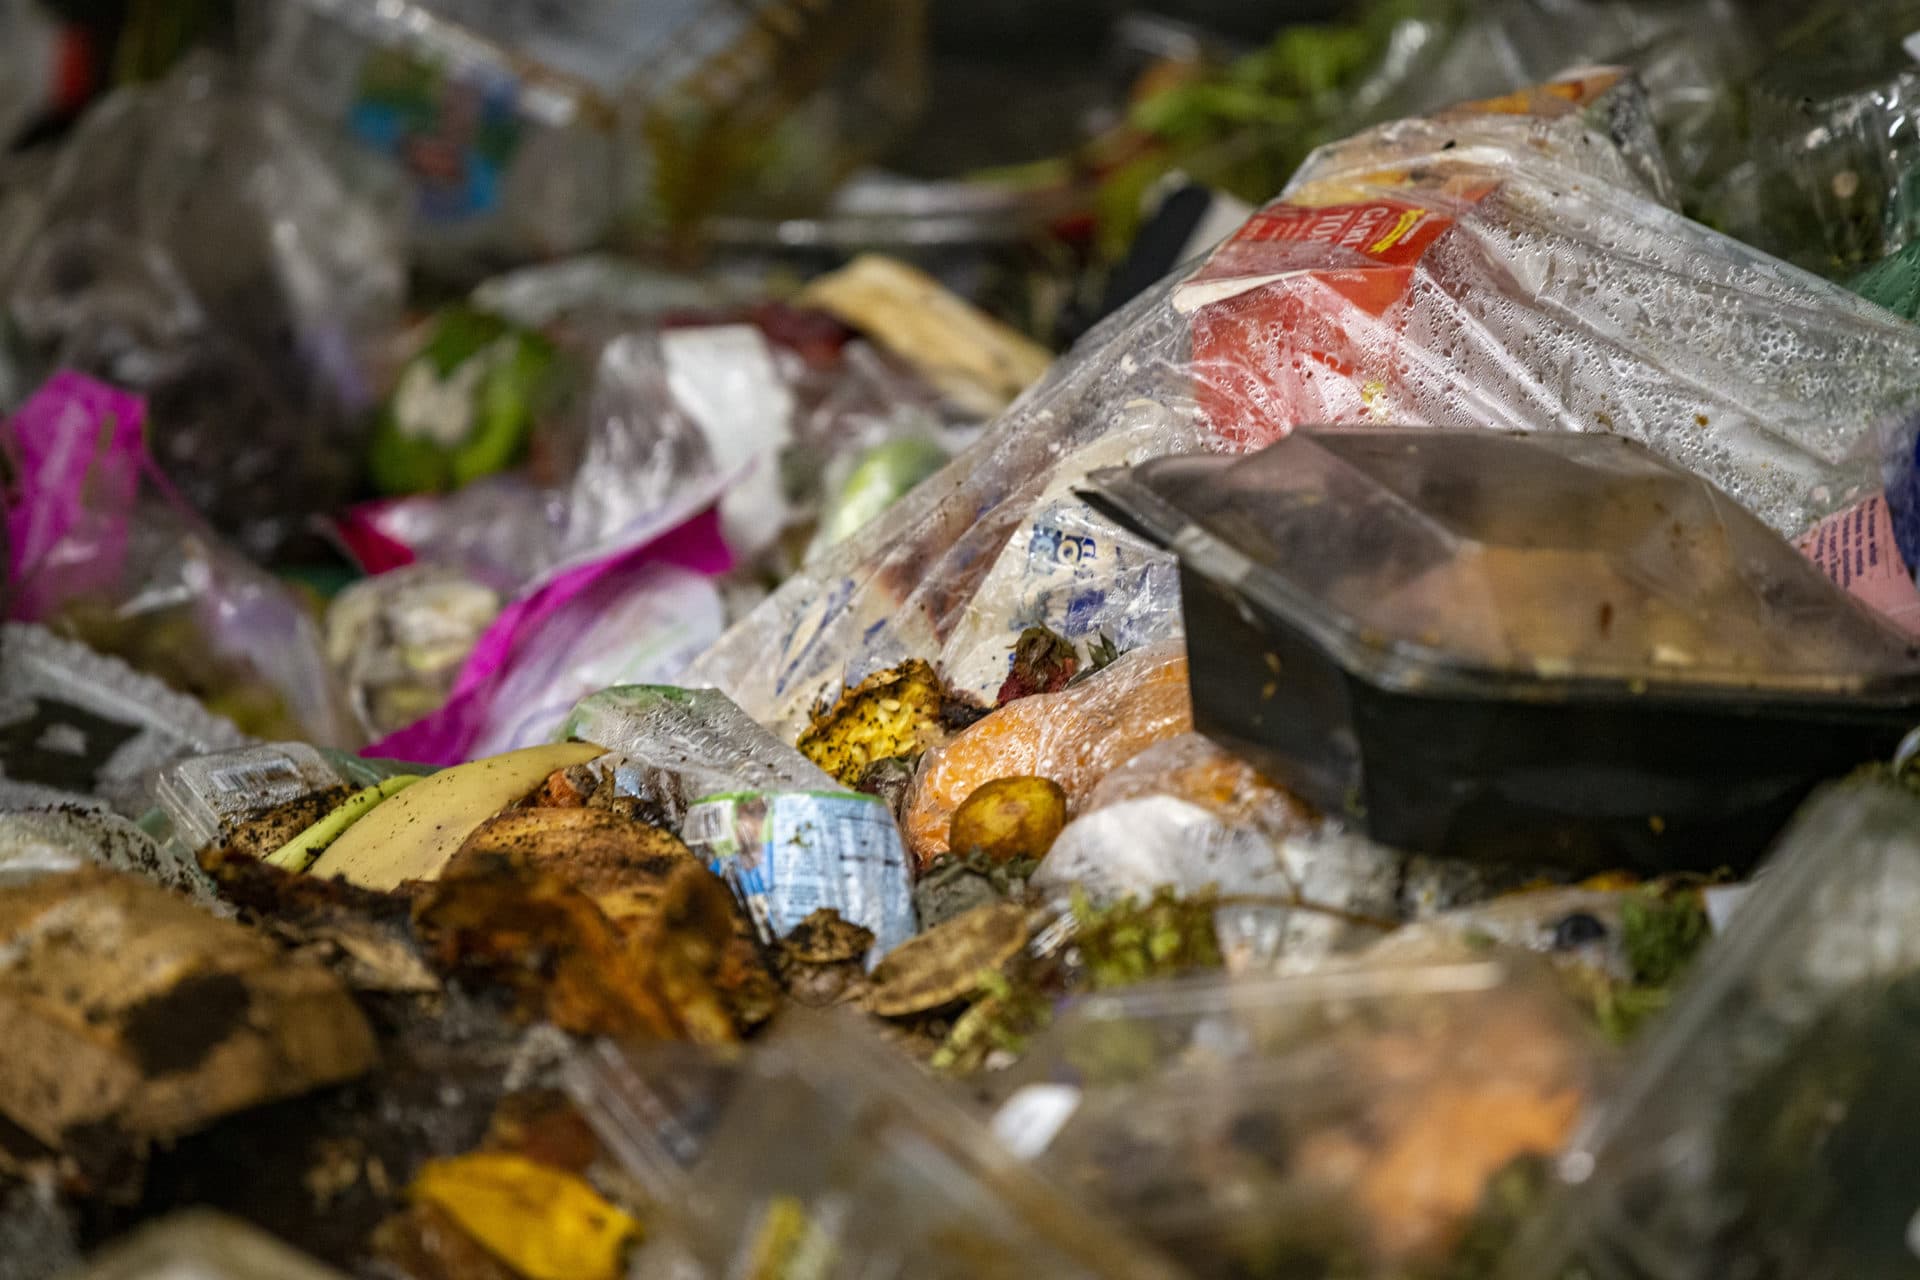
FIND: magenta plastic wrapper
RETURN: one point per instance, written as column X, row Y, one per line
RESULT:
column 543, row 653
column 101, row 548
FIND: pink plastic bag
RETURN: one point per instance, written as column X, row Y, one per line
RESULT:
column 102, row 549
column 540, row 639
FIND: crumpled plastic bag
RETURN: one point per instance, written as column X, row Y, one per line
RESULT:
column 1504, row 264
column 1499, row 265
column 197, row 244
column 1188, row 814
column 635, row 617
column 101, row 548
column 759, row 409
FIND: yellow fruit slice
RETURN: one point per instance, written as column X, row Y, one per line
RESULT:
column 412, row 835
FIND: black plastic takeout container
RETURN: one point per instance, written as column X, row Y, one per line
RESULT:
column 1550, row 649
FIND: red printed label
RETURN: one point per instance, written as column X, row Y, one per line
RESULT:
column 1856, row 549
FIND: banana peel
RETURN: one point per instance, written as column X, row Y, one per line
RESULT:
column 298, row 853
column 413, row 835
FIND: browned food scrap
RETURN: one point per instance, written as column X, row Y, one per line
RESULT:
column 498, row 919
column 1043, row 662
column 821, row 961
column 130, row 1012
column 949, row 962
column 896, row 712
column 638, row 874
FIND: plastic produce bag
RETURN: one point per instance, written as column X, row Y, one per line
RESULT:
column 639, row 418
column 1435, row 271
column 1373, row 1122
column 1400, row 625
column 1758, row 1130
column 76, row 725
column 883, row 1175
column 197, row 244
column 100, row 547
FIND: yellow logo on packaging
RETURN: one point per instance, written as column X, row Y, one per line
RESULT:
column 1406, row 222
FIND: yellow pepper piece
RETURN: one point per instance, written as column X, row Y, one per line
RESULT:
column 545, row 1223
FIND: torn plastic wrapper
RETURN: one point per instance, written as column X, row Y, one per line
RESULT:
column 888, row 1175
column 78, row 726
column 1367, row 1119
column 1402, row 625
column 1757, row 1129
column 101, row 547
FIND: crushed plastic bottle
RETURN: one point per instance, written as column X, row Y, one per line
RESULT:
column 690, row 743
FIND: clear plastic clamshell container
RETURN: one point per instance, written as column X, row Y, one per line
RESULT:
column 823, row 1151
column 1766, row 1129
column 1553, row 647
column 1370, row 1123
column 202, row 1245
column 206, row 797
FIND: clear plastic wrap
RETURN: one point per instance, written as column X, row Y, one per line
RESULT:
column 101, row 547
column 1364, row 1122
column 1073, row 737
column 1762, row 1128
column 1471, row 269
column 74, row 723
column 197, row 244
column 1503, row 264
column 881, row 1174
